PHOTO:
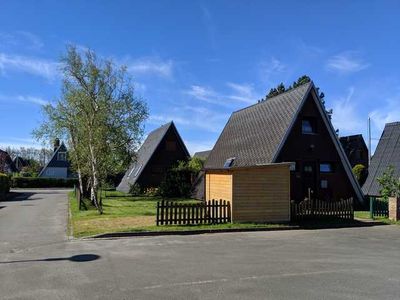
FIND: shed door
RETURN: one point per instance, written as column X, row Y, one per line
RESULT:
column 309, row 179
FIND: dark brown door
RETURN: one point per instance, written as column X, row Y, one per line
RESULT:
column 309, row 178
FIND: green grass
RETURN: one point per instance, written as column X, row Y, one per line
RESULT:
column 124, row 213
column 362, row 214
column 366, row 215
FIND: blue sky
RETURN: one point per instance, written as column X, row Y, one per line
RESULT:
column 195, row 62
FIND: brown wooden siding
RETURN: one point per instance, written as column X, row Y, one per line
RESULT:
column 219, row 186
column 258, row 194
column 261, row 194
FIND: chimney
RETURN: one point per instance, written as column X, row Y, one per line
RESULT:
column 56, row 144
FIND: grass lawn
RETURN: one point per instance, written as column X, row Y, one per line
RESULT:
column 365, row 215
column 124, row 213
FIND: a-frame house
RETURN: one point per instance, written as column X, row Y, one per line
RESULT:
column 387, row 154
column 58, row 166
column 290, row 127
column 161, row 150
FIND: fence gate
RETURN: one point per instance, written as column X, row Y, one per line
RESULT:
column 378, row 207
column 318, row 209
column 208, row 212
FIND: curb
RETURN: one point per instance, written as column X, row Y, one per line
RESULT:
column 186, row 232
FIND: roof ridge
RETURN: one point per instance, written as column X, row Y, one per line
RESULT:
column 274, row 97
column 393, row 123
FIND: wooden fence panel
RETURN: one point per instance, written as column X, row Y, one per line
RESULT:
column 209, row 212
column 310, row 209
column 379, row 207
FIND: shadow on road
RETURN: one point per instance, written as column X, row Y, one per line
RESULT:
column 335, row 223
column 20, row 196
column 75, row 258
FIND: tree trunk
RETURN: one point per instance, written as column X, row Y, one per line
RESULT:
column 95, row 181
column 77, row 162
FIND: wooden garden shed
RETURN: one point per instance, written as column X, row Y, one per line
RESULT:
column 257, row 193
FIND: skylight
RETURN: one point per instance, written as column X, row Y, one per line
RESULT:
column 229, row 162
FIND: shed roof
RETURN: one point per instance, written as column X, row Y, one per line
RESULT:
column 387, row 154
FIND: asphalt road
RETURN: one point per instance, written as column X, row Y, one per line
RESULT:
column 38, row 261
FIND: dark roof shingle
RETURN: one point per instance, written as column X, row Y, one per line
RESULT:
column 387, row 154
column 242, row 137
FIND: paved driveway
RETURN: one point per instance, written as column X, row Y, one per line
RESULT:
column 38, row 262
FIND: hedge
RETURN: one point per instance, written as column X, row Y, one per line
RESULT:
column 42, row 182
column 4, row 185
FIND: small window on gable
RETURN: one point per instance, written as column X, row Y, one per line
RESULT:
column 138, row 170
column 308, row 126
column 62, row 156
column 229, row 162
column 130, row 173
column 326, row 168
column 308, row 169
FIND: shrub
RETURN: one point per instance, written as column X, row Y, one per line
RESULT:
column 135, row 190
column 177, row 183
column 151, row 192
column 42, row 182
column 390, row 186
column 4, row 185
column 360, row 172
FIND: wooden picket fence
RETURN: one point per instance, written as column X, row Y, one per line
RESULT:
column 318, row 209
column 208, row 212
column 378, row 207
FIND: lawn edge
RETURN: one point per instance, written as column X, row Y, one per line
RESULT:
column 184, row 232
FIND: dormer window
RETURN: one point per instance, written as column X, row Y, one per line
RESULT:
column 62, row 156
column 308, row 126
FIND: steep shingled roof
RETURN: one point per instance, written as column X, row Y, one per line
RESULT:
column 202, row 154
column 145, row 153
column 253, row 135
column 387, row 154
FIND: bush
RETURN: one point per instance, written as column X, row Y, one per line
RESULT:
column 42, row 182
column 135, row 190
column 360, row 172
column 390, row 185
column 177, row 183
column 4, row 185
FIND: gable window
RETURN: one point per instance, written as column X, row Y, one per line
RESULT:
column 62, row 156
column 308, row 126
column 326, row 168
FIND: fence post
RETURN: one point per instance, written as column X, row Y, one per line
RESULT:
column 371, row 207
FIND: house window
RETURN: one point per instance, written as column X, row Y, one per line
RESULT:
column 308, row 126
column 308, row 169
column 138, row 170
column 170, row 145
column 229, row 162
column 62, row 156
column 326, row 168
column 324, row 184
column 293, row 166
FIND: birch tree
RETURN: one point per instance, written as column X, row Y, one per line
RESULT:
column 100, row 116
